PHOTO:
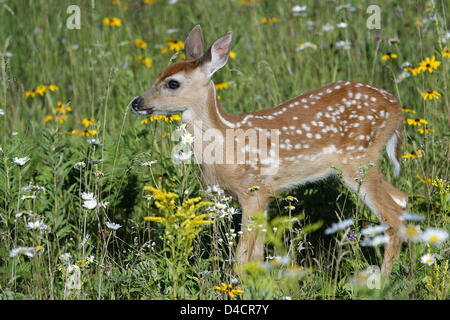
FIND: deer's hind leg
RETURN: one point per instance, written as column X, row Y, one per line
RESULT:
column 386, row 202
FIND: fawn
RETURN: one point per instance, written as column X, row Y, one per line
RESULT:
column 343, row 125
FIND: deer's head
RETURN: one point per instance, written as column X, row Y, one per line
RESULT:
column 183, row 85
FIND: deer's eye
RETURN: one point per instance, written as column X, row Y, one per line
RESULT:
column 173, row 84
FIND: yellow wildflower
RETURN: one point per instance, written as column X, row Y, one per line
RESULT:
column 388, row 56
column 416, row 122
column 228, row 289
column 52, row 87
column 413, row 155
column 99, row 173
column 422, row 131
column 175, row 45
column 430, row 95
column 88, row 122
column 62, row 108
column 221, row 86
column 253, row 188
column 414, row 71
column 31, row 93
column 175, row 117
column 155, row 219
column 145, row 61
column 41, row 89
column 446, row 53
column 405, row 109
column 429, row 64
column 112, row 22
column 394, row 40
column 232, row 54
column 60, row 118
column 120, row 3
column 87, row 133
column 160, row 117
column 140, row 44
column 269, row 20
column 150, row 1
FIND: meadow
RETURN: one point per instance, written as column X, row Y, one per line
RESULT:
column 93, row 207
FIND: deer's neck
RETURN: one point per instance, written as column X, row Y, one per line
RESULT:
column 210, row 114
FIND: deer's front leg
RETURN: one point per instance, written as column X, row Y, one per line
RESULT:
column 251, row 243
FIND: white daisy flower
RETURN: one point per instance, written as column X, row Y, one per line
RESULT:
column 173, row 30
column 283, row 260
column 299, row 10
column 20, row 161
column 214, row 189
column 25, row 197
column 113, row 226
column 428, row 259
column 344, row 45
column 148, row 163
column 406, row 64
column 87, row 196
column 80, row 164
column 26, row 251
column 183, row 156
column 94, row 141
column 412, row 233
column 342, row 25
column 306, row 45
column 375, row 241
column 434, row 236
column 187, row 138
column 411, row 217
column 327, row 27
column 220, row 206
column 291, row 199
column 90, row 204
column 402, row 76
column 341, row 225
column 32, row 187
column 36, row 225
column 374, row 230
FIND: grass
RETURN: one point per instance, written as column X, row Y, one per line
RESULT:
column 98, row 72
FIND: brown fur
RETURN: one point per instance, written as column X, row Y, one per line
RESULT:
column 347, row 125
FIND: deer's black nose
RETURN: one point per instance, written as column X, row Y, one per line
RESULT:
column 137, row 103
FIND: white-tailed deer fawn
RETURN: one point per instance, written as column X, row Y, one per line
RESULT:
column 344, row 125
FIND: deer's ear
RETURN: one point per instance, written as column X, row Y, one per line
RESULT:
column 217, row 55
column 194, row 43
